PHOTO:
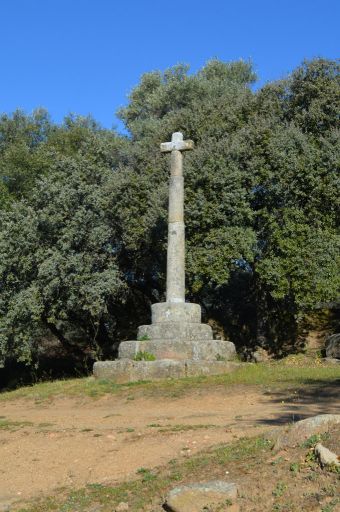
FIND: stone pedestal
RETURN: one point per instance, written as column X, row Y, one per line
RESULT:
column 179, row 343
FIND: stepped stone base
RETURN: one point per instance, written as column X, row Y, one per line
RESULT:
column 179, row 350
column 176, row 312
column 180, row 344
column 125, row 370
column 176, row 331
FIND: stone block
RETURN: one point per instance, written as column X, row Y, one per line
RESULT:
column 175, row 331
column 176, row 312
column 325, row 456
column 302, row 430
column 125, row 370
column 196, row 350
column 215, row 495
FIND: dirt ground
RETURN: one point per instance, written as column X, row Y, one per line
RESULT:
column 69, row 442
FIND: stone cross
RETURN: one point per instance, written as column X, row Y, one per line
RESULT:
column 175, row 279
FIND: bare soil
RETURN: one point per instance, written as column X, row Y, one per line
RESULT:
column 70, row 442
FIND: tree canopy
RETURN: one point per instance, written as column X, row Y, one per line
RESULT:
column 84, row 209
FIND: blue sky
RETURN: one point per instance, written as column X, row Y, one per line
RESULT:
column 84, row 56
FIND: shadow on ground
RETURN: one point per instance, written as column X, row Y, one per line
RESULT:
column 302, row 402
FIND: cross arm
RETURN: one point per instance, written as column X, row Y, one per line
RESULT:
column 184, row 145
column 177, row 143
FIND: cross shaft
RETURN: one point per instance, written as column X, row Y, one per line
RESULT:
column 175, row 283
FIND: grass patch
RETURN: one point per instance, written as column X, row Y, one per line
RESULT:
column 279, row 490
column 128, row 430
column 184, row 428
column 278, row 373
column 13, row 425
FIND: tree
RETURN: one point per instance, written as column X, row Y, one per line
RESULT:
column 296, row 199
column 58, row 269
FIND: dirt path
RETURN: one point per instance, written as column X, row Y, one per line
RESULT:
column 73, row 442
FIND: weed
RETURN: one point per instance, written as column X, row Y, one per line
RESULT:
column 312, row 476
column 147, row 475
column 145, row 337
column 220, row 358
column 144, row 356
column 333, row 468
column 95, row 486
column 314, row 439
column 279, row 490
column 282, row 507
column 330, row 490
column 219, row 508
column 330, row 507
column 295, row 468
column 176, row 476
column 277, row 461
column 141, row 471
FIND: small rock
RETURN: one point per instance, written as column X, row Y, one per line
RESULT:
column 325, row 456
column 260, row 355
column 202, row 496
column 122, row 507
column 302, row 430
column 332, row 360
column 332, row 346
